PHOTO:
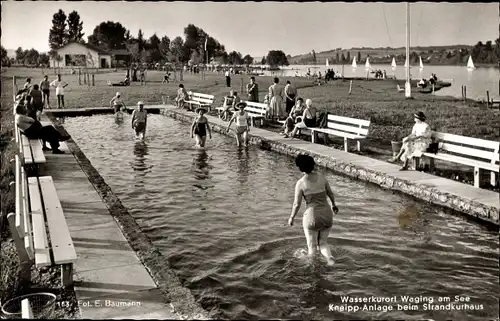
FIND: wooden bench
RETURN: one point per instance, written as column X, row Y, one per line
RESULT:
column 38, row 206
column 30, row 149
column 200, row 100
column 346, row 127
column 256, row 111
column 478, row 153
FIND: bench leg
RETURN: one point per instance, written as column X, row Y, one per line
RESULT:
column 24, row 261
column 346, row 146
column 493, row 179
column 358, row 143
column 66, row 275
column 476, row 176
column 313, row 136
column 415, row 162
column 431, row 164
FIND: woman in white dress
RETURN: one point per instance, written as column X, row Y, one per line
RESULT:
column 416, row 143
column 276, row 92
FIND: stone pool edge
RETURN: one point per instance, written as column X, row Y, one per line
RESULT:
column 156, row 264
column 484, row 213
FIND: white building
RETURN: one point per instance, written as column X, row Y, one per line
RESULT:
column 76, row 54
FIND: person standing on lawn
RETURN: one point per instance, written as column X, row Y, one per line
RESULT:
column 37, row 98
column 253, row 90
column 60, row 85
column 45, row 87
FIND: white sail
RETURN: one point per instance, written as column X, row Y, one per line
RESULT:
column 354, row 65
column 406, row 63
column 421, row 63
column 470, row 64
column 393, row 64
column 327, row 62
column 367, row 64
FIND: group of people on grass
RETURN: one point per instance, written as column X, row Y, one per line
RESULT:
column 38, row 96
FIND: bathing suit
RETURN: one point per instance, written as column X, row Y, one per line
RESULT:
column 241, row 123
column 310, row 122
column 200, row 129
column 318, row 215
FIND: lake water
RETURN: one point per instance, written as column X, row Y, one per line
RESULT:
column 478, row 81
column 218, row 215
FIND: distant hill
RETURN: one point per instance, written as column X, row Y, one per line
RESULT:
column 429, row 54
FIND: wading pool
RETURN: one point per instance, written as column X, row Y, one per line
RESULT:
column 219, row 216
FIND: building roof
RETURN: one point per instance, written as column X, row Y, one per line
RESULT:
column 89, row 46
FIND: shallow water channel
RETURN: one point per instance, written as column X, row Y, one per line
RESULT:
column 219, row 217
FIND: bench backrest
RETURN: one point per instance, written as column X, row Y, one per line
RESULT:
column 468, row 147
column 23, row 223
column 257, row 109
column 349, row 125
column 202, row 98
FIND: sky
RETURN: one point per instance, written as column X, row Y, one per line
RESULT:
column 256, row 27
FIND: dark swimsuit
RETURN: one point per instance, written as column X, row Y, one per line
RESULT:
column 310, row 122
column 200, row 129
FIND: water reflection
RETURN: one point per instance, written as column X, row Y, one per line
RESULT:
column 139, row 163
column 243, row 164
column 201, row 168
column 411, row 218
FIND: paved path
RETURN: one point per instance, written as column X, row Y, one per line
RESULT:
column 474, row 200
column 107, row 271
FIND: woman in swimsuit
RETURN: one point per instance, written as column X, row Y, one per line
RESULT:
column 318, row 216
column 200, row 127
column 308, row 119
column 242, row 123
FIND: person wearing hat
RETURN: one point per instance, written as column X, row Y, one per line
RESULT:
column 117, row 103
column 200, row 128
column 242, row 120
column 416, row 143
column 139, row 120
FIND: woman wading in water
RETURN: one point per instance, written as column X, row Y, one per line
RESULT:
column 200, row 127
column 242, row 123
column 318, row 216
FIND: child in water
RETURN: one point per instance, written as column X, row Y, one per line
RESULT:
column 139, row 121
column 118, row 105
column 200, row 127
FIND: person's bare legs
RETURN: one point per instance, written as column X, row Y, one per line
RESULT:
column 312, row 241
column 245, row 137
column 324, row 248
column 237, row 135
column 401, row 151
column 203, row 139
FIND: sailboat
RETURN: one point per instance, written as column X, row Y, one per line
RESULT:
column 393, row 64
column 327, row 62
column 470, row 64
column 421, row 63
column 354, row 65
column 406, row 63
column 367, row 64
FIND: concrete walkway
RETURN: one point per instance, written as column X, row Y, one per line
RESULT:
column 110, row 281
column 481, row 203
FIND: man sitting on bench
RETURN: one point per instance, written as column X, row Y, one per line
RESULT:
column 33, row 129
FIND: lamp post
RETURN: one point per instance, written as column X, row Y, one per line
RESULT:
column 408, row 83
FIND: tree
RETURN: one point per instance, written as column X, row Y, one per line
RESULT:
column 154, row 47
column 277, row 58
column 263, row 61
column 348, row 58
column 44, row 59
column 20, row 55
column 359, row 56
column 5, row 58
column 110, row 35
column 314, row 57
column 235, row 58
column 75, row 27
column 178, row 51
column 58, row 35
column 337, row 58
column 164, row 47
column 31, row 56
column 248, row 60
column 342, row 58
column 140, row 40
